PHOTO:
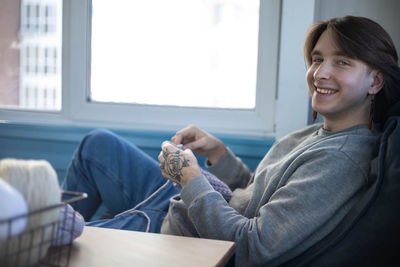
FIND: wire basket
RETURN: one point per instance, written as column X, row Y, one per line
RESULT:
column 39, row 245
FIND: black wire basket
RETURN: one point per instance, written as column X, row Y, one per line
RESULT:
column 41, row 244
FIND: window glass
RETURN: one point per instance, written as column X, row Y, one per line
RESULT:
column 197, row 53
column 30, row 53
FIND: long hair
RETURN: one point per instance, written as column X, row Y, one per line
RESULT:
column 363, row 39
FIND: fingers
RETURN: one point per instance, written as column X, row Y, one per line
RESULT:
column 166, row 148
column 176, row 165
column 166, row 143
column 198, row 144
column 187, row 135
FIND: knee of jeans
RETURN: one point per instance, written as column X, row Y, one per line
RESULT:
column 98, row 140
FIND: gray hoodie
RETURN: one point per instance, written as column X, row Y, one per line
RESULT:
column 299, row 192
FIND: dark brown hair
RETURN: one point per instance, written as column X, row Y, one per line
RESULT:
column 363, row 39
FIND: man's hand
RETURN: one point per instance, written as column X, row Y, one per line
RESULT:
column 201, row 143
column 177, row 165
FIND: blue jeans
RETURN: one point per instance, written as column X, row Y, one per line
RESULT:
column 119, row 175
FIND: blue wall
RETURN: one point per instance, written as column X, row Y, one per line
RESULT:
column 57, row 143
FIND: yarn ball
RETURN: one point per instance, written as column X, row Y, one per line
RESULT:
column 12, row 204
column 37, row 181
column 218, row 185
column 69, row 227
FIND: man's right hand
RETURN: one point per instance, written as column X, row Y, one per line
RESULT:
column 201, row 143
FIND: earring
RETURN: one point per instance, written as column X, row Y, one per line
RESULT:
column 371, row 114
column 314, row 115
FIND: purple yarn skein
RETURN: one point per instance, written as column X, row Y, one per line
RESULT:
column 70, row 226
column 216, row 183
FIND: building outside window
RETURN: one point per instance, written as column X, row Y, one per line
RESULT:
column 31, row 43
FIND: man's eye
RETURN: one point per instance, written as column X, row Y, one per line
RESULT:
column 317, row 60
column 343, row 63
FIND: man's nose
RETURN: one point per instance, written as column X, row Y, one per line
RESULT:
column 323, row 71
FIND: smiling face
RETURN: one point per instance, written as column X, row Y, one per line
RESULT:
column 339, row 85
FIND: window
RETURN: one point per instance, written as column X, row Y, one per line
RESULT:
column 31, row 66
column 256, row 116
column 178, row 52
column 37, row 56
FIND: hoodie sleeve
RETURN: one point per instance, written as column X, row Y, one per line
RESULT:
column 231, row 170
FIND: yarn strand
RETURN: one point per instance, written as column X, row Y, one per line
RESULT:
column 134, row 209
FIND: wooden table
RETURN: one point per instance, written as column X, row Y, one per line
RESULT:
column 99, row 247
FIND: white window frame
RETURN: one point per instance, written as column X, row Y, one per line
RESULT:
column 259, row 121
column 281, row 104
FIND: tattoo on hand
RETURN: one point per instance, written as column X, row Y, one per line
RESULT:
column 174, row 163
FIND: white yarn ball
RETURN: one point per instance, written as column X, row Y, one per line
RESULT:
column 37, row 181
column 12, row 204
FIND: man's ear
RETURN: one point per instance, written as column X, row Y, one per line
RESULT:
column 377, row 82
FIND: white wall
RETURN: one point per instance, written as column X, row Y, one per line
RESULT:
column 385, row 12
column 292, row 96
